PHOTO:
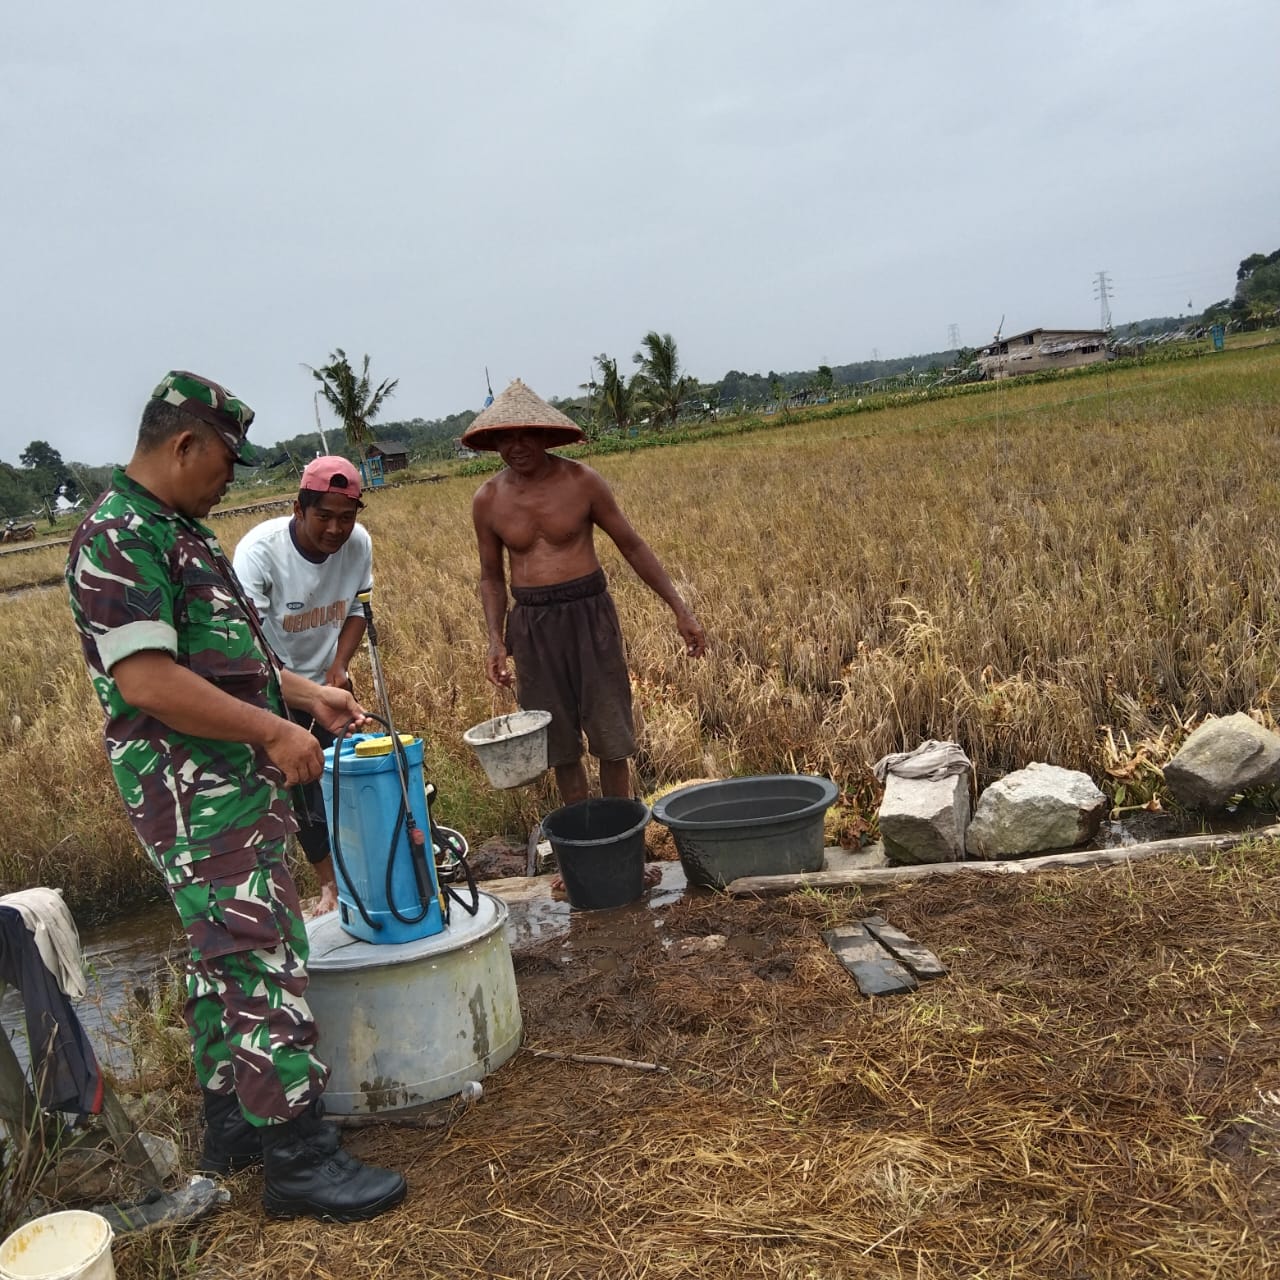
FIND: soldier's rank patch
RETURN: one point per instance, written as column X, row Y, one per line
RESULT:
column 143, row 604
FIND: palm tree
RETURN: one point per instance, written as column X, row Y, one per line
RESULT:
column 350, row 397
column 661, row 386
column 616, row 406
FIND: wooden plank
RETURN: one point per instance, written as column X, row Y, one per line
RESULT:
column 890, row 877
column 17, row 1103
column 512, row 889
column 531, row 850
column 920, row 960
column 126, row 1138
column 27, row 1121
column 875, row 971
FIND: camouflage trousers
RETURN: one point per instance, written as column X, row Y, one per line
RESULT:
column 251, row 1028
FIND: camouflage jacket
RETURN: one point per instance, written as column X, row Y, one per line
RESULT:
column 141, row 576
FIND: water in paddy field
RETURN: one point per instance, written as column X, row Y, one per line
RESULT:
column 1141, row 826
column 120, row 958
column 136, row 954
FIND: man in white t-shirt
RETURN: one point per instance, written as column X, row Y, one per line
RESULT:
column 304, row 573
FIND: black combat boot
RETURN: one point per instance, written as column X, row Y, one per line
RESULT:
column 231, row 1143
column 313, row 1126
column 307, row 1172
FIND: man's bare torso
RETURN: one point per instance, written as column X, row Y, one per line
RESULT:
column 546, row 525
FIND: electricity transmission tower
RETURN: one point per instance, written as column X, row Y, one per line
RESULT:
column 1102, row 291
column 953, row 337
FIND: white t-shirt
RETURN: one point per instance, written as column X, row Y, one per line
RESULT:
column 303, row 604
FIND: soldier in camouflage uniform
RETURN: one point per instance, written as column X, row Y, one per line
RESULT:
column 202, row 752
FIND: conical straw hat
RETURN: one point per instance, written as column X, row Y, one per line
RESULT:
column 519, row 407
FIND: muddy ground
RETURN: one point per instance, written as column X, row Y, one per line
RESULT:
column 1094, row 1090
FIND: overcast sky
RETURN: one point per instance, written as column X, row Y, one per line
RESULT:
column 237, row 188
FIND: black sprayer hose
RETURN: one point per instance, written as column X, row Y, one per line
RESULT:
column 420, row 863
column 422, row 874
column 422, row 877
column 417, row 855
column 424, row 900
column 450, row 892
column 375, row 925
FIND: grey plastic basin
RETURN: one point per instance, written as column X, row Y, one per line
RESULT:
column 761, row 826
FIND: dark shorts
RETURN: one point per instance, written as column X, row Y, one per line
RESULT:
column 567, row 646
column 308, row 799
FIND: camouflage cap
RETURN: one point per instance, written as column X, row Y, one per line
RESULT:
column 213, row 404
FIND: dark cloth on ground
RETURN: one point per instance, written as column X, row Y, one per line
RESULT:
column 567, row 644
column 64, row 1065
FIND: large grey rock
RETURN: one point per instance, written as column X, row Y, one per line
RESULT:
column 1037, row 808
column 1222, row 758
column 924, row 819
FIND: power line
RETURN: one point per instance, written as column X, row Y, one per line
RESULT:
column 953, row 337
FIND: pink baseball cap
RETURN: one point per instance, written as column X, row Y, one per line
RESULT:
column 332, row 474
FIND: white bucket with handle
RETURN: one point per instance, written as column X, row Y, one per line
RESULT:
column 512, row 748
column 71, row 1245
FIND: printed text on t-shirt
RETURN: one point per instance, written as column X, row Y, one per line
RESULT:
column 333, row 615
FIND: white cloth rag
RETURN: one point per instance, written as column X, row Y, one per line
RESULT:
column 57, row 939
column 931, row 760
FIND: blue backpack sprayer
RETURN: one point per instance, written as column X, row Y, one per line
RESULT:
column 380, row 823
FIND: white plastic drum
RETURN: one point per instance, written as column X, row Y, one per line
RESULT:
column 408, row 1024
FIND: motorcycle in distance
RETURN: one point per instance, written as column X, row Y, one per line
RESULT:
column 15, row 532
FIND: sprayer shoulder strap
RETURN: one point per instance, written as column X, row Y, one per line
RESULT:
column 210, row 597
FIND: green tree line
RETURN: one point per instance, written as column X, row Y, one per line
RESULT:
column 656, row 394
column 1256, row 301
column 41, row 479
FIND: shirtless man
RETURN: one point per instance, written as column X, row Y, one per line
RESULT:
column 563, row 632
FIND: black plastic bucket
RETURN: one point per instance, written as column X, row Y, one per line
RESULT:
column 599, row 848
column 755, row 826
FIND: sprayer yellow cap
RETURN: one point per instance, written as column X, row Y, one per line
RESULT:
column 381, row 746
